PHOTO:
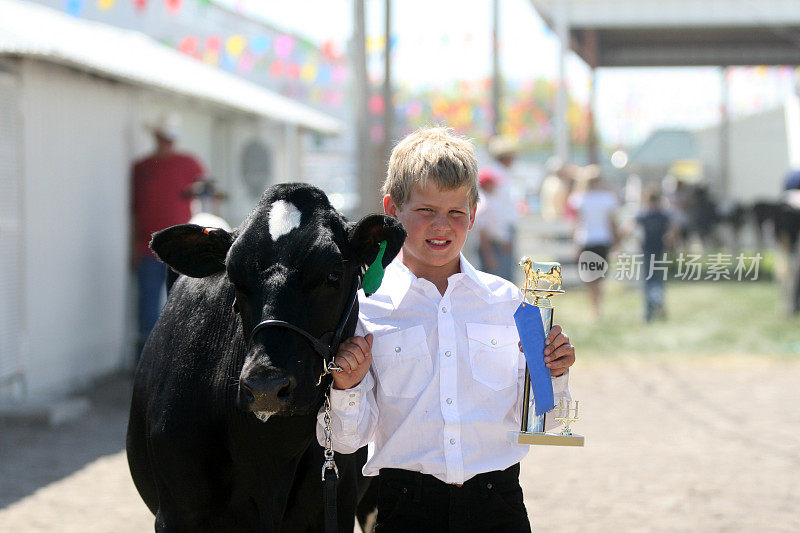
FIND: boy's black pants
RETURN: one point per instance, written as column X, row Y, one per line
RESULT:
column 489, row 502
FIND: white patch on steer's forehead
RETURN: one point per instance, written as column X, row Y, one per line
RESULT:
column 283, row 218
column 263, row 415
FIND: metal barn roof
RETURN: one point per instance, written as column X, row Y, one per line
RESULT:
column 622, row 33
column 29, row 30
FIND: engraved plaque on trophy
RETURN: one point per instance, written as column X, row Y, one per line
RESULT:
column 534, row 319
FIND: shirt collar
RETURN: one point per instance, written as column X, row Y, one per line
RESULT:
column 398, row 278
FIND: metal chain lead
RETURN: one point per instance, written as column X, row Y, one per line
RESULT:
column 329, row 463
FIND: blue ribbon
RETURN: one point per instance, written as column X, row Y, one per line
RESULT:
column 531, row 332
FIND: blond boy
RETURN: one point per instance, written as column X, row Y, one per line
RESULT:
column 433, row 376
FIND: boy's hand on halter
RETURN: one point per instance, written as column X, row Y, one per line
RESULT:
column 559, row 354
column 354, row 357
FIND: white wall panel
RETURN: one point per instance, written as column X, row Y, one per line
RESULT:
column 76, row 224
column 11, row 266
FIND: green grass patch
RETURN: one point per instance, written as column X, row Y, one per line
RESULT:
column 703, row 318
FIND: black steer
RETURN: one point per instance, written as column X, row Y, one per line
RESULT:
column 221, row 434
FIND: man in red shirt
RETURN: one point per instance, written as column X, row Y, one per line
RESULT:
column 160, row 199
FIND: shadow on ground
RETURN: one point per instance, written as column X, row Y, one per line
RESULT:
column 34, row 455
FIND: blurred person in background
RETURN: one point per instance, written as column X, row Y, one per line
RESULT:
column 658, row 234
column 496, row 218
column 555, row 188
column 160, row 183
column 595, row 228
column 494, row 237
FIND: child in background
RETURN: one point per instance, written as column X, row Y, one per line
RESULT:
column 659, row 233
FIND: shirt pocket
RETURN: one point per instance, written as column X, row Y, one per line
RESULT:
column 402, row 362
column 493, row 354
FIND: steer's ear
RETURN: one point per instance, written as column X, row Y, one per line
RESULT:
column 192, row 250
column 365, row 237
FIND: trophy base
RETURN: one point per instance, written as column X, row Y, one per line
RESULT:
column 545, row 439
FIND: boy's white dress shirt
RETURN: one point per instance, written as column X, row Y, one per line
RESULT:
column 445, row 385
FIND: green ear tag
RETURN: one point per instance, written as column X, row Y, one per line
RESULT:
column 374, row 274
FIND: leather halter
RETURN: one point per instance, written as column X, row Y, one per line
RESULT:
column 327, row 345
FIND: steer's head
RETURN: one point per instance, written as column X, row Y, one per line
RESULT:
column 294, row 259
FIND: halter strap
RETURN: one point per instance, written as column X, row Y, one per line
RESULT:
column 328, row 344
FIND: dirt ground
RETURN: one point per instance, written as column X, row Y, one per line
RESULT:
column 672, row 445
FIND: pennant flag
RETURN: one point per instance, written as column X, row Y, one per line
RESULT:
column 189, row 45
column 105, row 5
column 309, row 73
column 376, row 104
column 324, row 74
column 376, row 133
column 235, row 45
column 140, row 5
column 339, row 74
column 74, row 7
column 293, row 71
column 283, row 46
column 276, row 69
column 213, row 43
column 259, row 44
column 173, row 6
column 329, row 50
column 531, row 332
column 211, row 57
column 246, row 63
column 228, row 63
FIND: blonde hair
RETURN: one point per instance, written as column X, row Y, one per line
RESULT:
column 435, row 155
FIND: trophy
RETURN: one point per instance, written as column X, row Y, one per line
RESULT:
column 542, row 282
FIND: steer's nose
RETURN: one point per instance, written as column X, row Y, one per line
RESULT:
column 271, row 394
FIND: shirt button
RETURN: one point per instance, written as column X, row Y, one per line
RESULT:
column 447, row 354
column 444, row 309
column 452, row 441
column 449, row 400
column 397, row 349
column 352, row 403
column 494, row 341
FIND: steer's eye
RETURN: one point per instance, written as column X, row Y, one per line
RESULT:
column 333, row 278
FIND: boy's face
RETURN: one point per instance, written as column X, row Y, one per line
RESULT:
column 437, row 222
